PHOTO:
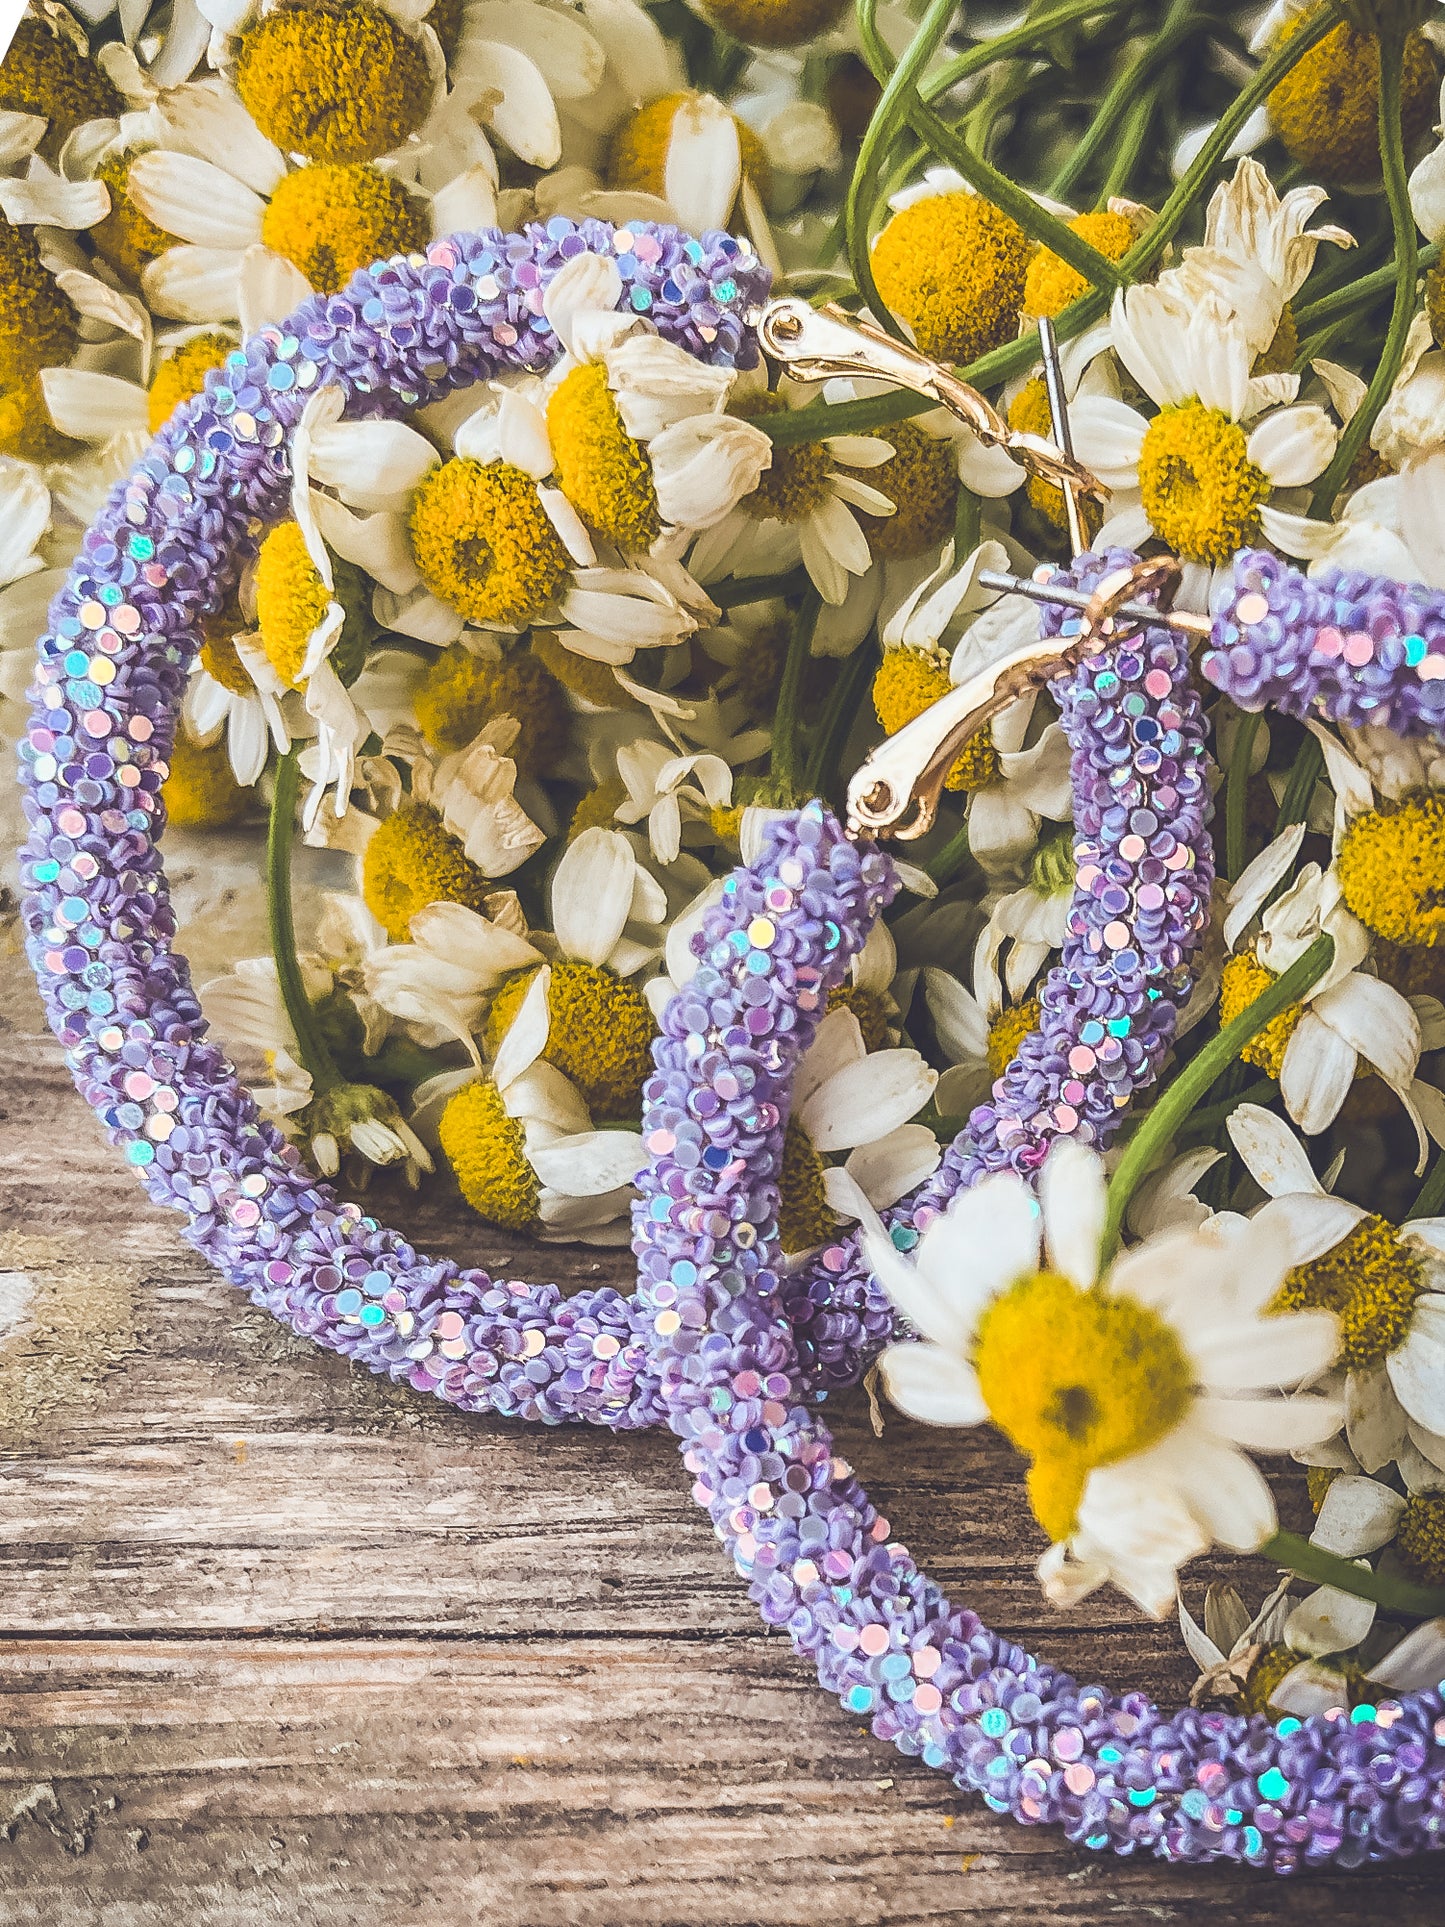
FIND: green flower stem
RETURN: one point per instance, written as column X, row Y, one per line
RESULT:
column 889, row 117
column 1016, row 357
column 1406, row 269
column 1304, row 773
column 1128, row 94
column 950, row 857
column 786, row 765
column 1431, row 1196
column 1395, row 1594
column 1197, row 1077
column 839, row 714
column 901, row 103
column 741, row 591
column 1358, row 294
column 1130, row 144
column 1020, row 39
column 1205, row 1123
column 312, row 1048
column 1236, row 795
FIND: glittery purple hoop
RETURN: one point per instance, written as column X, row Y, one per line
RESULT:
column 1112, row 1770
column 107, row 692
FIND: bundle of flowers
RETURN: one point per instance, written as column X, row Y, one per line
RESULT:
column 529, row 671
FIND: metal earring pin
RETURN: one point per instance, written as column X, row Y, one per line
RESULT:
column 897, row 790
column 816, row 343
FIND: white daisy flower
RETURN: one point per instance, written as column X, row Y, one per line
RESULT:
column 1229, row 1643
column 1258, row 249
column 1199, row 474
column 1386, row 1285
column 441, row 981
column 801, row 510
column 1314, row 1048
column 848, row 1099
column 484, row 538
column 254, row 232
column 581, row 1010
column 526, row 1156
column 247, row 1008
column 458, row 824
column 1138, row 1395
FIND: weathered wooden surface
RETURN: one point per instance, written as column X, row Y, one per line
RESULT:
column 281, row 1644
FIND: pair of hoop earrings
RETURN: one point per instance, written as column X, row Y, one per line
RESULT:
column 715, row 1342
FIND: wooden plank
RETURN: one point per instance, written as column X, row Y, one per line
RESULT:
column 279, row 1642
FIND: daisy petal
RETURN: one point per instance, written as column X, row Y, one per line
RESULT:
column 1071, row 1192
column 1316, row 1075
column 1357, row 1516
column 932, row 1385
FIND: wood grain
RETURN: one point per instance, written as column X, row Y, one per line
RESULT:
column 280, row 1643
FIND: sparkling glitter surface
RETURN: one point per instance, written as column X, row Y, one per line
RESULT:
column 1112, row 1770
column 709, row 1339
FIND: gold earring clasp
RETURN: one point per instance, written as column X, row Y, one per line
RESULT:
column 816, row 343
column 907, row 772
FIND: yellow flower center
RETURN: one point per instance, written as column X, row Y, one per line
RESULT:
column 868, row 1007
column 218, row 653
column 46, row 72
column 953, row 266
column 907, row 682
column 332, row 220
column 804, row 1219
column 461, row 693
column 413, row 860
column 775, row 23
column 1318, row 1480
column 726, row 823
column 921, row 481
column 37, row 324
column 183, row 374
column 201, row 792
column 1111, row 1380
column 638, row 157
column 487, row 1150
column 291, row 600
column 592, row 682
column 335, row 80
column 603, row 472
column 1029, row 412
column 484, row 542
column 797, row 482
column 600, row 1033
column 126, row 238
column 1326, row 109
column 1392, row 870
column 1370, row 1282
column 445, row 21
column 1051, row 284
column 1422, row 1536
column 1278, row 357
column 598, row 808
column 1201, row 491
column 1008, row 1030
column 1244, row 979
column 26, row 429
column 1268, row 1672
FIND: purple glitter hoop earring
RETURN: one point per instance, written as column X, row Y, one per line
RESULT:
column 99, row 931
column 99, row 927
column 1112, row 1770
